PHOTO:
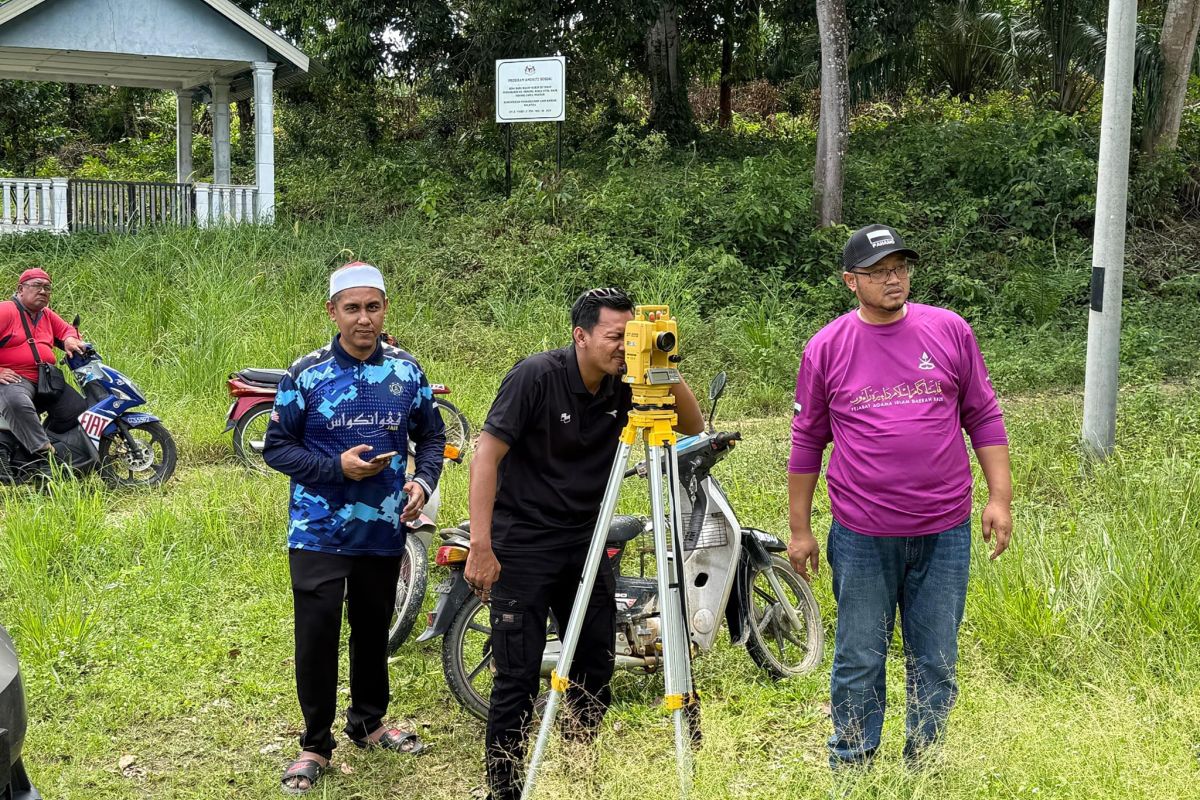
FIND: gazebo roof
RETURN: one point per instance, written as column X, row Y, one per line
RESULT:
column 157, row 44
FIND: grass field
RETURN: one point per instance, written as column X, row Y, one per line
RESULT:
column 157, row 626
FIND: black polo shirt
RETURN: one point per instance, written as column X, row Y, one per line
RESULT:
column 562, row 440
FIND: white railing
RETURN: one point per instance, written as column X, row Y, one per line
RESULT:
column 225, row 204
column 33, row 204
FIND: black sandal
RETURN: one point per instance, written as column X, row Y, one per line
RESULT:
column 394, row 739
column 302, row 767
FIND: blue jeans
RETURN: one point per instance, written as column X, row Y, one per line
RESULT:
column 926, row 577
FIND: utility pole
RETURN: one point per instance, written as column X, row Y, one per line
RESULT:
column 1108, row 244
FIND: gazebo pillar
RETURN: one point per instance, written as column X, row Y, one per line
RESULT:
column 183, row 135
column 264, row 138
column 222, row 172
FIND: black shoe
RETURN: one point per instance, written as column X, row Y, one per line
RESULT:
column 8, row 476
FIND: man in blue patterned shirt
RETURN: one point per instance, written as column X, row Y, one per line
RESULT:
column 340, row 429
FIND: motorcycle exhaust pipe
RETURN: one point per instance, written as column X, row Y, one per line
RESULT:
column 623, row 662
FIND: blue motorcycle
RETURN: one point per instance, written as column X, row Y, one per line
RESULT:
column 126, row 447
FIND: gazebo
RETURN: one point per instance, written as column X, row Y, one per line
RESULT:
column 207, row 51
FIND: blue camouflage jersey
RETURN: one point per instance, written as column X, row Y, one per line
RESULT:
column 327, row 403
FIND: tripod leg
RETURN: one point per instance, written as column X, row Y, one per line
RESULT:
column 570, row 637
column 691, row 700
column 676, row 663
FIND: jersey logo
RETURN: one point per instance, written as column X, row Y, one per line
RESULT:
column 612, row 413
column 396, row 389
column 926, row 361
column 564, row 418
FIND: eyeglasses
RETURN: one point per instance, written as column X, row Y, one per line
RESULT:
column 884, row 274
column 39, row 287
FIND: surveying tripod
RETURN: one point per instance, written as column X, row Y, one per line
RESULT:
column 651, row 351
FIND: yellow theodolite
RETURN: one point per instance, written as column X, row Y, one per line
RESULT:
column 651, row 353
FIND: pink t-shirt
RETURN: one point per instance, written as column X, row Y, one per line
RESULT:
column 894, row 399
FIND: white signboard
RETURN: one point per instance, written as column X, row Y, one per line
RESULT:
column 531, row 89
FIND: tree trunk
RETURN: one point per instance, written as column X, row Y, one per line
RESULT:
column 833, row 130
column 245, row 115
column 670, row 111
column 74, row 108
column 1181, row 26
column 725, row 113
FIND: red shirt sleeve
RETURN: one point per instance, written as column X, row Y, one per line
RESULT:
column 59, row 327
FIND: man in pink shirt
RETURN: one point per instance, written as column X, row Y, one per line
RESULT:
column 893, row 385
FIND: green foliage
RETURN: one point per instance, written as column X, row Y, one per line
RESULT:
column 626, row 148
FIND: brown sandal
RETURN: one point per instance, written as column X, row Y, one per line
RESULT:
column 394, row 739
column 302, row 767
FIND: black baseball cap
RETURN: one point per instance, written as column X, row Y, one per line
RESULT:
column 868, row 245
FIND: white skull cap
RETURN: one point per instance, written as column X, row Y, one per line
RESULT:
column 355, row 275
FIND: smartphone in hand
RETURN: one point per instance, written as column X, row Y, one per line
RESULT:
column 388, row 456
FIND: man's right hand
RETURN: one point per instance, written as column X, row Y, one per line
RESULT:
column 355, row 468
column 8, row 376
column 482, row 571
column 804, row 552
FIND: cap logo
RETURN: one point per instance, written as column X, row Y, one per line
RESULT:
column 880, row 238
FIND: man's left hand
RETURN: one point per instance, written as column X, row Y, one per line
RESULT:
column 73, row 346
column 997, row 521
column 416, row 501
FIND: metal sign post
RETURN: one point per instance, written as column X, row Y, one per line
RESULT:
column 530, row 90
column 1108, row 249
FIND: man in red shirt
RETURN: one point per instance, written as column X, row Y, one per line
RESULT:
column 19, row 369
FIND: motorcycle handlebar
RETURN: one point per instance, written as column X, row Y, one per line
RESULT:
column 722, row 440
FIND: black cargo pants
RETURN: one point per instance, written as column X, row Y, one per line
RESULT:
column 531, row 586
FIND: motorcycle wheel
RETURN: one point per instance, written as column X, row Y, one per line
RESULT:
column 773, row 643
column 458, row 429
column 467, row 657
column 249, row 434
column 410, row 592
column 151, row 464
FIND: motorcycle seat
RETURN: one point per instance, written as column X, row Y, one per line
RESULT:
column 624, row 528
column 263, row 377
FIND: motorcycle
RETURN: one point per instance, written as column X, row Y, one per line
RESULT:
column 253, row 392
column 732, row 572
column 126, row 447
column 14, row 782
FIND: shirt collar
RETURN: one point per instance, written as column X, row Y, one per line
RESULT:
column 575, row 380
column 32, row 315
column 347, row 361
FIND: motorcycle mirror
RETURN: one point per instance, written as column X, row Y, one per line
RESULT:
column 717, row 387
column 715, row 390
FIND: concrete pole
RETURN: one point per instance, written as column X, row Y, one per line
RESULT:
column 1108, row 247
column 264, row 139
column 220, row 142
column 183, row 135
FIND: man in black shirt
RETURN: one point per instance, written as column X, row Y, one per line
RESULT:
column 537, row 479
